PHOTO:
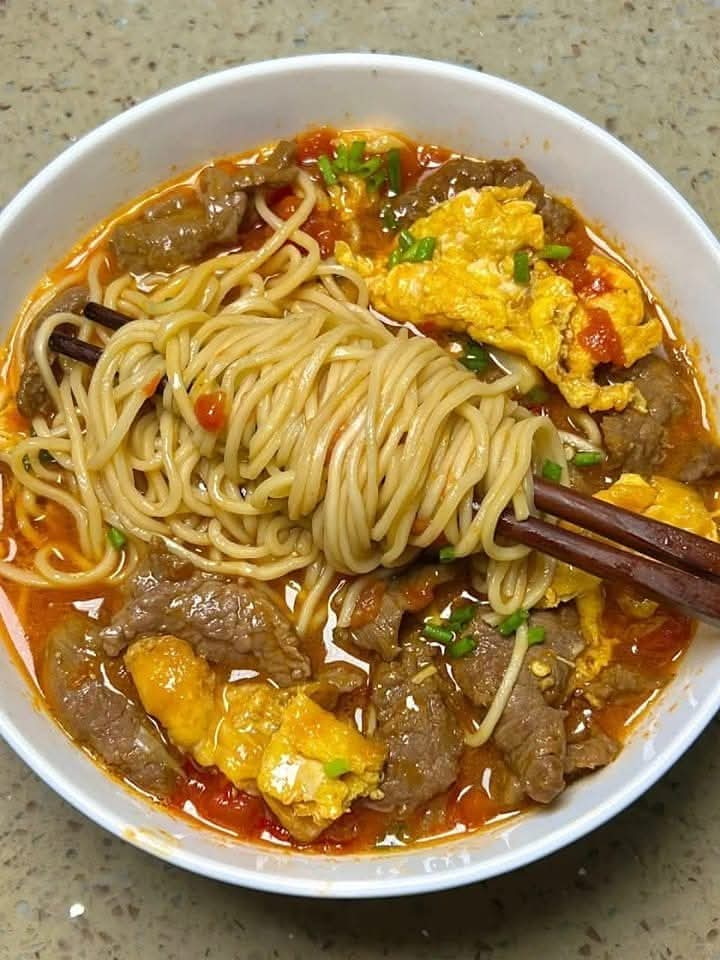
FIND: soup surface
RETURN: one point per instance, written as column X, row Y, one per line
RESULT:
column 249, row 531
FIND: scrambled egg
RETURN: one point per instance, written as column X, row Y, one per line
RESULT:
column 308, row 765
column 658, row 498
column 468, row 286
column 297, row 778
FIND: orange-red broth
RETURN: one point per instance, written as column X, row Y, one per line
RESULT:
column 654, row 646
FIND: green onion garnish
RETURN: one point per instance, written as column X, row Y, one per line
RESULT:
column 342, row 158
column 376, row 180
column 461, row 647
column 326, row 169
column 587, row 458
column 394, row 170
column 389, row 220
column 552, row 471
column 446, row 554
column 462, row 615
column 355, row 155
column 536, row 396
column 117, row 538
column 410, row 250
column 511, row 623
column 535, row 635
column 554, row 251
column 336, row 768
column 435, row 632
column 420, row 250
column 521, row 267
column 475, row 357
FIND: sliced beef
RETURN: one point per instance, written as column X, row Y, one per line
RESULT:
column 617, row 683
column 636, row 441
column 375, row 625
column 531, row 732
column 183, row 229
column 226, row 621
column 462, row 173
column 701, row 462
column 422, row 736
column 595, row 750
column 101, row 717
column 32, row 397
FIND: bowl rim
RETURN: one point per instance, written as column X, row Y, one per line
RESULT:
column 644, row 777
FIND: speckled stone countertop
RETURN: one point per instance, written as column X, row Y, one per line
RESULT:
column 645, row 886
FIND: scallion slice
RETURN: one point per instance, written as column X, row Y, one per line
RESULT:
column 512, row 622
column 475, row 357
column 536, row 395
column 461, row 647
column 388, row 218
column 117, row 538
column 326, row 169
column 355, row 155
column 446, row 554
column 462, row 615
column 554, row 251
column 336, row 767
column 521, row 267
column 394, row 170
column 552, row 471
column 435, row 632
column 535, row 635
column 587, row 458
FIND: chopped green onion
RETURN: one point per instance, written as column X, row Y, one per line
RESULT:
column 394, row 170
column 117, row 538
column 535, row 635
column 342, row 158
column 336, row 768
column 462, row 615
column 511, row 623
column 369, row 167
column 461, row 647
column 554, row 251
column 521, row 267
column 46, row 458
column 376, row 180
column 446, row 554
column 536, row 396
column 587, row 458
column 326, row 169
column 552, row 471
column 355, row 155
column 475, row 357
column 420, row 250
column 410, row 250
column 434, row 632
column 389, row 220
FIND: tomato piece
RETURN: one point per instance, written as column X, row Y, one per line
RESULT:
column 601, row 339
column 210, row 411
column 368, row 605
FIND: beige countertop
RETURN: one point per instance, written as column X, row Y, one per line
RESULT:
column 645, row 886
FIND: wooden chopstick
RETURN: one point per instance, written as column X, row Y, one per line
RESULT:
column 651, row 537
column 696, row 594
column 105, row 316
column 75, row 349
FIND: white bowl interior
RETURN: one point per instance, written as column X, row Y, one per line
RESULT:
column 237, row 110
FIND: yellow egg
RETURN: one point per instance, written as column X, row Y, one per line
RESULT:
column 315, row 766
column 469, row 286
column 308, row 765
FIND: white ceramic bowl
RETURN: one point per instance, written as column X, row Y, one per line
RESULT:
column 236, row 110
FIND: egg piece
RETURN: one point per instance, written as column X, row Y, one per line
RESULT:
column 308, row 765
column 315, row 766
column 468, row 286
column 659, row 498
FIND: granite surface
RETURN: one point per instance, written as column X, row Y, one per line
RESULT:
column 645, row 886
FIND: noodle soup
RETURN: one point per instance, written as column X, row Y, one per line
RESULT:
column 253, row 547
